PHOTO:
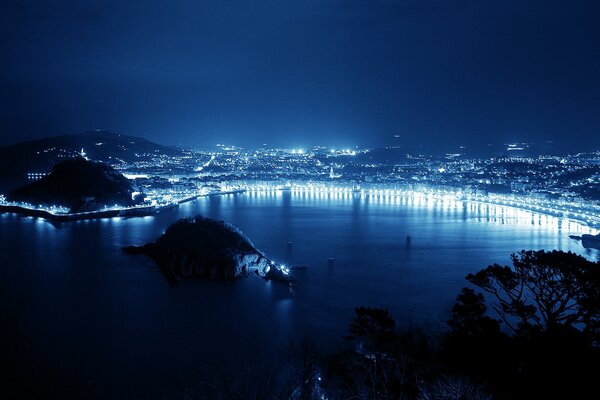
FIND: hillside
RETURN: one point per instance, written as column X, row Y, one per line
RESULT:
column 41, row 155
column 80, row 185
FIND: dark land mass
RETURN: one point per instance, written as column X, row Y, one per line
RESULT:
column 80, row 185
column 588, row 241
column 205, row 248
column 39, row 156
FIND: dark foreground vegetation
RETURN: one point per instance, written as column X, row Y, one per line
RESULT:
column 540, row 340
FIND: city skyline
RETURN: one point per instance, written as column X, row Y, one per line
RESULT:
column 162, row 177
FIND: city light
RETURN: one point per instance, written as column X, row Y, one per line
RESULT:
column 532, row 184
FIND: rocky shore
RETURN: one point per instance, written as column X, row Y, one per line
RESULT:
column 201, row 247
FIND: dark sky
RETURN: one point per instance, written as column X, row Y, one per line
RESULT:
column 298, row 72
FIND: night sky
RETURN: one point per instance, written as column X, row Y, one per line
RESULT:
column 297, row 73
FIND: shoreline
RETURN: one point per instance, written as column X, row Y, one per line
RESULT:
column 35, row 212
column 133, row 212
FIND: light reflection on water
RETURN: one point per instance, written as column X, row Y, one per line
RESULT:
column 443, row 207
column 70, row 287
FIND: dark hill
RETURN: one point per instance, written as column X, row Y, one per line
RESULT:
column 41, row 155
column 80, row 185
column 206, row 248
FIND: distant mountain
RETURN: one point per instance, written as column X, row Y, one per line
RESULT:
column 80, row 185
column 39, row 156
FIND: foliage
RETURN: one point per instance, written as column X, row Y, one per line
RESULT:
column 545, row 289
column 372, row 329
column 446, row 388
column 548, row 355
column 549, row 303
column 198, row 247
column 384, row 363
column 468, row 315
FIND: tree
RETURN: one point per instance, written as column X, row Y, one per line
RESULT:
column 304, row 371
column 544, row 290
column 468, row 316
column 374, row 330
column 551, row 302
column 474, row 345
column 452, row 389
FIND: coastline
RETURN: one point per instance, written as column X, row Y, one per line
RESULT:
column 133, row 212
column 35, row 212
column 130, row 212
column 595, row 225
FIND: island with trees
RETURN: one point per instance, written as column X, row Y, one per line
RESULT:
column 201, row 247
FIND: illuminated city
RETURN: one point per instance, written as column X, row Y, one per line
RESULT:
column 299, row 200
column 563, row 186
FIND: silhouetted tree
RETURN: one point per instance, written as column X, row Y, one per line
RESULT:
column 365, row 372
column 304, row 371
column 452, row 389
column 372, row 328
column 475, row 345
column 413, row 360
column 551, row 302
column 545, row 289
column 468, row 315
column 387, row 363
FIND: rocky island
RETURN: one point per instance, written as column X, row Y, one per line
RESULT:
column 588, row 241
column 201, row 247
column 81, row 186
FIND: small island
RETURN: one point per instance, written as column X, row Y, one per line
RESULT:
column 201, row 247
column 588, row 241
column 80, row 186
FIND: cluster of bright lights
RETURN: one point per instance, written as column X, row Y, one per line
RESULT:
column 54, row 209
column 585, row 212
column 36, row 175
column 135, row 176
column 578, row 212
column 344, row 152
column 562, row 208
column 284, row 269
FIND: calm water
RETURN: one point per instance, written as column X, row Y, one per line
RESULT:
column 79, row 316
